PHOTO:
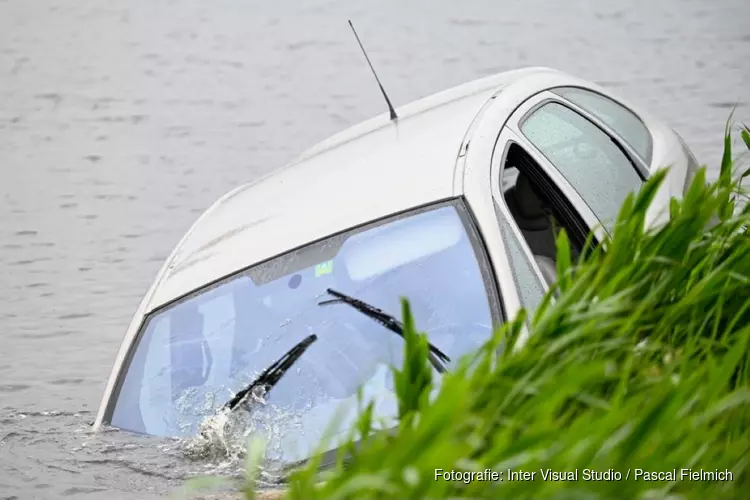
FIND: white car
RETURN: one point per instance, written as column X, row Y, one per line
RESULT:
column 451, row 204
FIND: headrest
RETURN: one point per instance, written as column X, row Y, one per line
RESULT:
column 187, row 349
column 186, row 324
column 528, row 203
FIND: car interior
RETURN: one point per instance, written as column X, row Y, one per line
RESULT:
column 538, row 218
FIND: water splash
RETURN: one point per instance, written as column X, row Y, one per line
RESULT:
column 222, row 437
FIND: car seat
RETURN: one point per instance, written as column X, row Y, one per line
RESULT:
column 528, row 212
column 254, row 323
column 190, row 354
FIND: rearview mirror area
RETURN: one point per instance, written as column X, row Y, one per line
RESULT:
column 382, row 249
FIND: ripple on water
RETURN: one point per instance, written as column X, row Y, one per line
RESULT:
column 75, row 315
column 67, row 381
column 24, row 262
column 82, row 491
column 728, row 104
column 37, row 285
column 13, row 387
column 48, row 335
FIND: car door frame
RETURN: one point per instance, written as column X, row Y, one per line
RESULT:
column 479, row 163
column 511, row 132
column 505, row 139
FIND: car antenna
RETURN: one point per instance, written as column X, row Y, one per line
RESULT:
column 394, row 116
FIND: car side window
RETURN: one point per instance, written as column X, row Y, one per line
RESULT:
column 586, row 156
column 530, row 289
column 619, row 118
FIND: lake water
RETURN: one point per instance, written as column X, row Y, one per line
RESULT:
column 121, row 121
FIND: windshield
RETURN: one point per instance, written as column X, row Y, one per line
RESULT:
column 192, row 356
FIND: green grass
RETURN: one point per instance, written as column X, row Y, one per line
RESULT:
column 641, row 363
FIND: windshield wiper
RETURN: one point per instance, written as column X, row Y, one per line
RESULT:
column 271, row 375
column 437, row 357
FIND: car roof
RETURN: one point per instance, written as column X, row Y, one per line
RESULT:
column 369, row 171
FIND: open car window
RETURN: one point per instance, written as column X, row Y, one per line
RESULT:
column 192, row 356
column 586, row 156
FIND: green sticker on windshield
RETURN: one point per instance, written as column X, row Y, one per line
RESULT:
column 323, row 268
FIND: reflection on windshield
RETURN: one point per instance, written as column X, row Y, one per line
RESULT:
column 193, row 356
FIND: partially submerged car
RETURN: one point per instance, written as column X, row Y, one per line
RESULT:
column 454, row 204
